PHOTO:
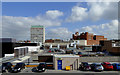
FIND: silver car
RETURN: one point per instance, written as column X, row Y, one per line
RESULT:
column 97, row 67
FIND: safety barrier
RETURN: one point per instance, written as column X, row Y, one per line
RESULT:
column 48, row 65
column 100, row 59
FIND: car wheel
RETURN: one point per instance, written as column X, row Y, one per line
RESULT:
column 43, row 70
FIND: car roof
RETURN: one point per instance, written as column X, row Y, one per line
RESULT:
column 97, row 64
column 20, row 63
column 7, row 62
column 84, row 62
column 106, row 62
column 116, row 63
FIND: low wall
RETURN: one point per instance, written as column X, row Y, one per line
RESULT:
column 100, row 59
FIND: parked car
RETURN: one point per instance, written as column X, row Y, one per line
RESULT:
column 116, row 66
column 18, row 67
column 63, row 51
column 80, row 54
column 85, row 66
column 6, row 67
column 96, row 67
column 40, row 68
column 107, row 66
column 51, row 50
column 0, row 68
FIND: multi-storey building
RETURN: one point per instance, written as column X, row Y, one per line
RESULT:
column 38, row 34
column 91, row 39
column 112, row 46
column 7, row 46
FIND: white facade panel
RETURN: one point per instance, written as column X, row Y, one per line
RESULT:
column 80, row 42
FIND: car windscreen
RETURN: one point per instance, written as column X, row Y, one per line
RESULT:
column 19, row 64
column 16, row 67
column 118, row 64
column 9, row 64
column 42, row 65
column 109, row 64
column 98, row 65
column 4, row 64
column 86, row 64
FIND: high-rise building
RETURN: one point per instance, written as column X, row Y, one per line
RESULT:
column 38, row 34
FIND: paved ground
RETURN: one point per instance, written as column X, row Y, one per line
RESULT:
column 62, row 73
column 28, row 71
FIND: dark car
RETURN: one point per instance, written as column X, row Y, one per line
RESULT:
column 116, row 66
column 18, row 67
column 40, row 68
column 80, row 54
column 85, row 66
column 96, row 67
column 6, row 67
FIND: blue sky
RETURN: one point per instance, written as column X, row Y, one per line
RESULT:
column 34, row 8
column 71, row 16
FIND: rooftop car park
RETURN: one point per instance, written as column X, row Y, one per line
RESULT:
column 62, row 60
column 93, row 68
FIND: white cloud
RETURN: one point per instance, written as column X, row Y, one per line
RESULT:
column 78, row 14
column 101, row 0
column 109, row 30
column 95, row 11
column 85, row 29
column 103, row 10
column 19, row 27
column 61, row 33
column 53, row 14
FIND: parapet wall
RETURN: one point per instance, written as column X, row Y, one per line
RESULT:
column 100, row 59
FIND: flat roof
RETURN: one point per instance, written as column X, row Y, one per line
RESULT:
column 46, row 54
column 39, row 26
column 21, row 59
column 20, row 47
column 65, row 55
column 60, row 55
column 32, row 46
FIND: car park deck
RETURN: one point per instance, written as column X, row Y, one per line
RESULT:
column 28, row 70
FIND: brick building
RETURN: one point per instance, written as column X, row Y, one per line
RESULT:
column 53, row 41
column 112, row 46
column 91, row 38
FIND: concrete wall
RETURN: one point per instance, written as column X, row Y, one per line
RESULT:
column 55, row 44
column 66, row 61
column 100, row 59
column 20, row 51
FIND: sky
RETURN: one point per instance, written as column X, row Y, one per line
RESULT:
column 60, row 19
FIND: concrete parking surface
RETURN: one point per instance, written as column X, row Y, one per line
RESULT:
column 28, row 71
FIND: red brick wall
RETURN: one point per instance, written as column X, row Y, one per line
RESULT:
column 91, row 39
column 92, row 42
column 49, row 41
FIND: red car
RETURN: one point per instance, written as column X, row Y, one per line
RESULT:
column 49, row 51
column 107, row 66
